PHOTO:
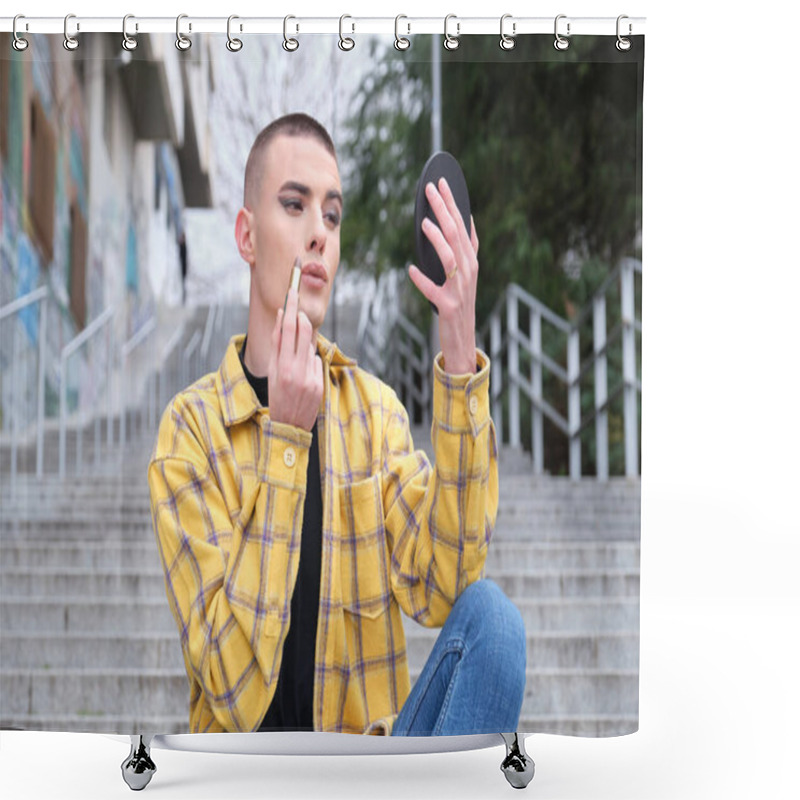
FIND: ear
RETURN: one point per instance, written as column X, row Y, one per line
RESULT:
column 245, row 235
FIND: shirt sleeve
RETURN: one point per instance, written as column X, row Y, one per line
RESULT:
column 440, row 518
column 225, row 567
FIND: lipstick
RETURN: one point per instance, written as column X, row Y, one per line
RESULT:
column 294, row 281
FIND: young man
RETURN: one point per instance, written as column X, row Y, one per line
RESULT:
column 295, row 520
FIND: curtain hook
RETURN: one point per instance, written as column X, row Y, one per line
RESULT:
column 623, row 44
column 182, row 42
column 70, row 42
column 290, row 45
column 346, row 43
column 451, row 42
column 128, row 42
column 234, row 45
column 18, row 43
column 400, row 42
column 561, row 43
column 507, row 42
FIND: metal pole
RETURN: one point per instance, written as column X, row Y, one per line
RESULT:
column 496, row 378
column 574, row 403
column 631, row 420
column 513, row 370
column 600, row 386
column 537, row 419
column 109, row 364
column 40, row 395
column 436, row 145
column 14, row 405
column 62, row 422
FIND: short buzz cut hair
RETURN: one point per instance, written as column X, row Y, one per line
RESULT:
column 288, row 125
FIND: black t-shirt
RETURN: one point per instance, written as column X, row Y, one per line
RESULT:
column 292, row 708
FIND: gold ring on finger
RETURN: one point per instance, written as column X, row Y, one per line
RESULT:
column 452, row 271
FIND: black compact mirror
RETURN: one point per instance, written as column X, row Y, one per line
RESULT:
column 439, row 165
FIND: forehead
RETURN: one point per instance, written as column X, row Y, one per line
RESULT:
column 301, row 159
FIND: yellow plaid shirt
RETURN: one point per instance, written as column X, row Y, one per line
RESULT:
column 227, row 487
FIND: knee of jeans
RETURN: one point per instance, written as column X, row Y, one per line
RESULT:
column 496, row 615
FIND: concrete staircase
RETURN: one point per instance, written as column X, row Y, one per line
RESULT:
column 89, row 643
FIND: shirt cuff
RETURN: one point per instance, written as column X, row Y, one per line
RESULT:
column 284, row 458
column 461, row 402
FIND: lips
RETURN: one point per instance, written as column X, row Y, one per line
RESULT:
column 316, row 271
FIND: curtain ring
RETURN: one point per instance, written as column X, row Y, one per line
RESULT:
column 346, row 43
column 18, row 43
column 182, row 42
column 451, row 42
column 623, row 44
column 290, row 45
column 70, row 42
column 400, row 42
column 234, row 45
column 561, row 43
column 507, row 42
column 128, row 42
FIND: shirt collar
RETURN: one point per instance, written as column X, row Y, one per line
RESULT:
column 237, row 399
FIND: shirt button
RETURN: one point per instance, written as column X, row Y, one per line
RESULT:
column 473, row 405
column 289, row 456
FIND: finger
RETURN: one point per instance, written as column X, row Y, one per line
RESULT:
column 442, row 248
column 443, row 216
column 275, row 343
column 304, row 331
column 455, row 213
column 288, row 335
column 428, row 288
column 473, row 235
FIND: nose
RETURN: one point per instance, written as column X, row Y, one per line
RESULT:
column 317, row 235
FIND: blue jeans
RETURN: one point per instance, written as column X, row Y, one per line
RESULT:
column 474, row 679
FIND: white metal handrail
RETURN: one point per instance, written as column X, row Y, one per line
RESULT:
column 14, row 307
column 513, row 340
column 141, row 336
column 390, row 345
column 67, row 351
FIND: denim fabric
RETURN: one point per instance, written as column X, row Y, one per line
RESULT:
column 474, row 679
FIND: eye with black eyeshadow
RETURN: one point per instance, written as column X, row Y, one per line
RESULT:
column 293, row 203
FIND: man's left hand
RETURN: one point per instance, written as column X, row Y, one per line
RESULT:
column 455, row 299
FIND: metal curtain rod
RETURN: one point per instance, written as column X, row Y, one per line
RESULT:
column 457, row 26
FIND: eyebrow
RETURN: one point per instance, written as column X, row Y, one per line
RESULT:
column 301, row 188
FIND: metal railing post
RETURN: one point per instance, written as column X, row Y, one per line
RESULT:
column 9, row 310
column 512, row 327
column 40, row 392
column 574, row 402
column 68, row 350
column 600, row 385
column 495, row 342
column 631, row 421
column 537, row 418
column 62, row 422
column 109, row 365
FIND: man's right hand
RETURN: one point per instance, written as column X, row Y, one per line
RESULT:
column 295, row 369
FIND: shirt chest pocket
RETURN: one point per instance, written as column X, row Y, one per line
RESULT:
column 363, row 556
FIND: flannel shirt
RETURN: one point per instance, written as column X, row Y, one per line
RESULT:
column 227, row 486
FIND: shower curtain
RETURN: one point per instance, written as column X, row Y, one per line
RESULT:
column 121, row 284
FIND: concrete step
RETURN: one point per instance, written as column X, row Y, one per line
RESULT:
column 98, row 723
column 503, row 555
column 136, row 583
column 48, row 651
column 593, row 726
column 590, row 726
column 152, row 615
column 137, row 692
column 137, row 526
